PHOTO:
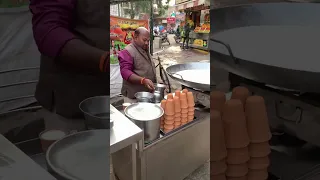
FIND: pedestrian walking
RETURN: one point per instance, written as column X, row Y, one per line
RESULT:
column 186, row 36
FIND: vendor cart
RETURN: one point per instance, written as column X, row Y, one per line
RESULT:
column 172, row 157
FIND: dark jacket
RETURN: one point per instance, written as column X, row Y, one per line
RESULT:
column 62, row 88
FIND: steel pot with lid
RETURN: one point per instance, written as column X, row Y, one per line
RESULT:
column 147, row 117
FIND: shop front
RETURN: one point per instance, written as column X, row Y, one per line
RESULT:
column 198, row 16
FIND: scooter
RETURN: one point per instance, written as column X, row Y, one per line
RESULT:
column 164, row 38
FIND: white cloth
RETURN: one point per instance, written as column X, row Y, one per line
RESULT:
column 115, row 80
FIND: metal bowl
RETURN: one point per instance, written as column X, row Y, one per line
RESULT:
column 96, row 112
column 144, row 97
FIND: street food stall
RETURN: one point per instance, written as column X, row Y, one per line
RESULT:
column 159, row 137
column 172, row 150
column 199, row 37
column 83, row 155
column 198, row 17
column 138, row 152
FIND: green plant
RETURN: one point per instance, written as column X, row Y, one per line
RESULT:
column 137, row 7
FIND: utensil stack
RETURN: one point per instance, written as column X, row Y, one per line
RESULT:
column 191, row 105
column 237, row 139
column 163, row 105
column 218, row 153
column 259, row 133
column 169, row 116
column 184, row 108
column 239, row 136
column 179, row 110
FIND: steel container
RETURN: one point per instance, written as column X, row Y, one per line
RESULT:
column 160, row 88
column 157, row 97
column 147, row 117
column 96, row 112
column 144, row 97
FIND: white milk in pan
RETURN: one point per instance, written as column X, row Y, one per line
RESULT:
column 195, row 75
column 144, row 111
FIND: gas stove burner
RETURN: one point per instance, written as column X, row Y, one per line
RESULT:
column 202, row 108
column 202, row 98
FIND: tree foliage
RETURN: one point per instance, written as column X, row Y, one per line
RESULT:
column 138, row 7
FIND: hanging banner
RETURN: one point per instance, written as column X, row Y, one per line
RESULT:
column 122, row 30
column 121, row 34
column 181, row 17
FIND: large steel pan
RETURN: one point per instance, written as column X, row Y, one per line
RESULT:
column 195, row 75
column 80, row 156
column 271, row 43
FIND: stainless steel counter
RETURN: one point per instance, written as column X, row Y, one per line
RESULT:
column 14, row 164
column 171, row 157
column 124, row 131
column 123, row 134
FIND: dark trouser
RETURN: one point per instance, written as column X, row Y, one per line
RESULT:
column 185, row 39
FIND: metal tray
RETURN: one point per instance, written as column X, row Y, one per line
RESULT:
column 80, row 156
column 264, row 55
column 196, row 80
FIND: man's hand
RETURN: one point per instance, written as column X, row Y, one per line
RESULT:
column 149, row 84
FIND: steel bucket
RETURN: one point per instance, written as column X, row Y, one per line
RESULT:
column 150, row 127
column 96, row 112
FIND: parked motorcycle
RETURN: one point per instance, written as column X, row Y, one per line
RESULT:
column 171, row 31
column 164, row 38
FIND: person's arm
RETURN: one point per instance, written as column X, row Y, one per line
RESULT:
column 126, row 69
column 52, row 28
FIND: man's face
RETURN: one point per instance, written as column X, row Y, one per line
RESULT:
column 142, row 40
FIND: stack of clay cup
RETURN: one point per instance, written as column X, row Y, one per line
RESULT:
column 163, row 105
column 259, row 134
column 239, row 136
column 184, row 107
column 169, row 115
column 218, row 151
column 178, row 110
column 191, row 105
